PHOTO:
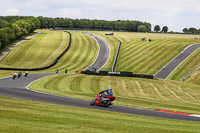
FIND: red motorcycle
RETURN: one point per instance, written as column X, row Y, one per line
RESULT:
column 102, row 101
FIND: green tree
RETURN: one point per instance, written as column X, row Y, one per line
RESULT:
column 193, row 30
column 4, row 23
column 165, row 29
column 25, row 26
column 43, row 22
column 142, row 28
column 157, row 28
column 198, row 31
column 148, row 25
column 17, row 29
column 7, row 35
column 131, row 26
column 34, row 23
column 185, row 30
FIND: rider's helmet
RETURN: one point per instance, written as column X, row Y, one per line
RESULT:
column 110, row 89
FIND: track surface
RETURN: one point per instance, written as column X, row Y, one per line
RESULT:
column 104, row 52
column 172, row 65
column 17, row 89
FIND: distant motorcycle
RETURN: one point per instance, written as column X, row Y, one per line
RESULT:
column 19, row 74
column 102, row 101
column 15, row 75
column 26, row 74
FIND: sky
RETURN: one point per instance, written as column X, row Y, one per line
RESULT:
column 176, row 14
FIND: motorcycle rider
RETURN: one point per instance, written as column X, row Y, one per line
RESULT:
column 103, row 99
column 108, row 91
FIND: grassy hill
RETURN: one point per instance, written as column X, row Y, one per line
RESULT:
column 142, row 57
column 43, row 49
column 140, row 93
column 37, row 52
column 81, row 54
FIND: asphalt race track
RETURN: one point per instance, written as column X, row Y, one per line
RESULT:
column 173, row 64
column 103, row 55
column 17, row 88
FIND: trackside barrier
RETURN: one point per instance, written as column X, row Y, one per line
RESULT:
column 188, row 74
column 121, row 74
column 45, row 67
column 116, row 56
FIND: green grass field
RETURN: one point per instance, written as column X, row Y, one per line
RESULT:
column 135, row 56
column 27, row 116
column 142, row 57
column 140, row 93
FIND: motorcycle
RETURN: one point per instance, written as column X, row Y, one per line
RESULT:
column 102, row 101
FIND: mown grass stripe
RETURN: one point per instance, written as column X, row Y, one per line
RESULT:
column 138, row 59
column 133, row 51
column 34, row 52
column 81, row 54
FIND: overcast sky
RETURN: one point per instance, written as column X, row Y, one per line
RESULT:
column 176, row 14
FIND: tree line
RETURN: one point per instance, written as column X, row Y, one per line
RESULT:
column 15, row 27
column 191, row 30
column 185, row 30
column 125, row 25
column 158, row 29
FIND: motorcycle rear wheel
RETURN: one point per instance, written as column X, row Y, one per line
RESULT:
column 106, row 104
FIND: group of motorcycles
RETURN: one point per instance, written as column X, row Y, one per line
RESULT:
column 18, row 75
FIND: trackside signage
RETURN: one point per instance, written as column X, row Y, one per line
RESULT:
column 113, row 73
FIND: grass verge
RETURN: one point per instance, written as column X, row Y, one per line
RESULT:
column 27, row 116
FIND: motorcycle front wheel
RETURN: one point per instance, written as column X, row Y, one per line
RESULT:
column 92, row 102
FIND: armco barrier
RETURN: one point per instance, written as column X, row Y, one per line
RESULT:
column 116, row 56
column 121, row 74
column 45, row 67
column 188, row 74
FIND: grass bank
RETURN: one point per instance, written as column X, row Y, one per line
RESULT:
column 142, row 57
column 133, row 92
column 43, row 49
column 39, row 51
column 27, row 116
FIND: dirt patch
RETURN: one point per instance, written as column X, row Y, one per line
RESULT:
column 7, row 50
